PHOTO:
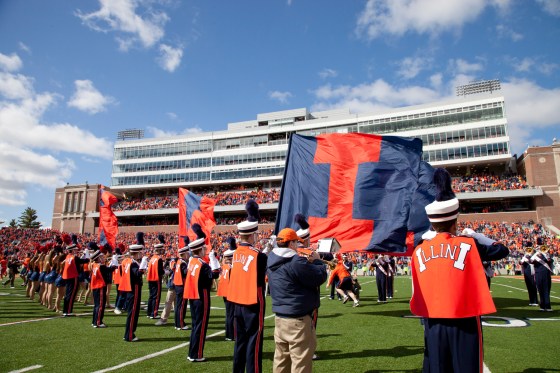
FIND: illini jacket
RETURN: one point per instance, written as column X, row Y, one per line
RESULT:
column 294, row 282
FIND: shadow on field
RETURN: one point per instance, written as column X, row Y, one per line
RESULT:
column 174, row 339
column 537, row 370
column 397, row 370
column 399, row 351
column 265, row 356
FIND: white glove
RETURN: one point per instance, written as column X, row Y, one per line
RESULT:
column 86, row 254
column 144, row 263
column 429, row 234
column 114, row 261
column 479, row 237
column 214, row 263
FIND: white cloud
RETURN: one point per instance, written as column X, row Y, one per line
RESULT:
column 529, row 107
column 461, row 66
column 410, row 67
column 328, row 73
column 29, row 148
column 10, row 63
column 532, row 64
column 171, row 115
column 506, row 32
column 15, row 87
column 24, row 47
column 170, row 58
column 121, row 16
column 87, row 98
column 156, row 132
column 397, row 17
column 552, row 7
column 281, row 97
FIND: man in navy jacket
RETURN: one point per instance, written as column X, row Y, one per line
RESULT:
column 294, row 283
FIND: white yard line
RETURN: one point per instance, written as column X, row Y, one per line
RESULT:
column 26, row 369
column 486, row 370
column 43, row 319
column 156, row 354
column 525, row 290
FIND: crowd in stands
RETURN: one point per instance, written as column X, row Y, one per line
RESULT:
column 466, row 184
column 488, row 183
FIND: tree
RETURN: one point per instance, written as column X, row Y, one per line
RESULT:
column 13, row 223
column 28, row 219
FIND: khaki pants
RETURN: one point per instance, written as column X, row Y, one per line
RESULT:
column 169, row 301
column 295, row 345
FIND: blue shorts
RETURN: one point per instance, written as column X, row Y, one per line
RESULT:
column 84, row 277
column 42, row 276
column 346, row 284
column 49, row 279
column 34, row 276
column 59, row 282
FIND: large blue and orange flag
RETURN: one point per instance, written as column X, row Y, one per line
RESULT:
column 108, row 226
column 194, row 209
column 367, row 191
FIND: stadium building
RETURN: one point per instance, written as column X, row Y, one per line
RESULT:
column 468, row 136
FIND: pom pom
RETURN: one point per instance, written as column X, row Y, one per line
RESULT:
column 121, row 248
column 232, row 243
column 300, row 219
column 252, row 209
column 161, row 238
column 66, row 239
column 442, row 181
column 197, row 229
column 140, row 238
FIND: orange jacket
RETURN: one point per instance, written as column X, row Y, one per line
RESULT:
column 340, row 271
column 448, row 279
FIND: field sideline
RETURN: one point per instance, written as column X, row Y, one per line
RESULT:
column 371, row 338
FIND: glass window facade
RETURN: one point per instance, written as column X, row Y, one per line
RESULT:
column 463, row 135
column 465, row 152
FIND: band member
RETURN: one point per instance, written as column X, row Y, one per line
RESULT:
column 449, row 286
column 100, row 274
column 381, row 274
column 529, row 276
column 179, row 276
column 247, row 291
column 305, row 235
column 154, row 277
column 543, row 276
column 131, row 284
column 223, row 286
column 391, row 272
column 70, row 273
column 198, row 284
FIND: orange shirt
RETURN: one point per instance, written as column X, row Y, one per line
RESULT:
column 191, row 281
column 70, row 271
column 153, row 274
column 448, row 279
column 97, row 281
column 243, row 277
column 178, row 276
column 223, row 282
column 125, row 284
column 340, row 271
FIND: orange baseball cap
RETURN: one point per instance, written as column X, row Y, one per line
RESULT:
column 287, row 234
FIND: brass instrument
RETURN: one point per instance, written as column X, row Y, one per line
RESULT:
column 331, row 263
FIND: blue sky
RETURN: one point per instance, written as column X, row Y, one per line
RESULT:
column 74, row 73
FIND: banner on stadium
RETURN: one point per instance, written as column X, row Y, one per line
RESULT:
column 108, row 226
column 195, row 209
column 367, row 191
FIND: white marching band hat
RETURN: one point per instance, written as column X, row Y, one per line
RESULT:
column 446, row 205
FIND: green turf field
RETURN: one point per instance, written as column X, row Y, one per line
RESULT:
column 371, row 338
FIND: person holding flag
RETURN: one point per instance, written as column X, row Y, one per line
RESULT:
column 247, row 291
column 198, row 283
column 449, row 287
column 154, row 277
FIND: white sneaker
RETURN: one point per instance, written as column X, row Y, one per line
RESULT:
column 196, row 360
column 117, row 311
column 356, row 304
column 161, row 322
column 345, row 300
